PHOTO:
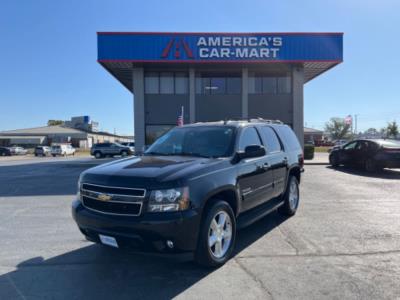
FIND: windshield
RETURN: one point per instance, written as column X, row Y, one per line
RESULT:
column 204, row 141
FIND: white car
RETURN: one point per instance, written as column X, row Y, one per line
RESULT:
column 16, row 150
column 62, row 150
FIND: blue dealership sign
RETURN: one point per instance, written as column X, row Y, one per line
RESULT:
column 219, row 47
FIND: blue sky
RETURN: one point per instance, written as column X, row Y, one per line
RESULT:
column 48, row 67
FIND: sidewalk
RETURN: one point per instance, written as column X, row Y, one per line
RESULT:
column 320, row 158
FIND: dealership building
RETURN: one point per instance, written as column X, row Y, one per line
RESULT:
column 216, row 76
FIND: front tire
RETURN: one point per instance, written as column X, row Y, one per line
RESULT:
column 217, row 235
column 98, row 155
column 124, row 153
column 291, row 197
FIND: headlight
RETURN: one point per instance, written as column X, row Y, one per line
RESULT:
column 169, row 200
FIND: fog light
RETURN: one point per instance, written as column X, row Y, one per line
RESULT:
column 170, row 244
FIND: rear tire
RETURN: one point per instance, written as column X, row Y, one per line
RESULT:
column 291, row 197
column 333, row 160
column 217, row 235
column 98, row 155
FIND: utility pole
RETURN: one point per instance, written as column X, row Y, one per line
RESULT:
column 355, row 123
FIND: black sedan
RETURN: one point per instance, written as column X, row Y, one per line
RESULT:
column 371, row 154
column 5, row 151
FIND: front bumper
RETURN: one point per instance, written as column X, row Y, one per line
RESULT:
column 149, row 232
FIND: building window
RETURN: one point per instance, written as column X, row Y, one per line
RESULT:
column 218, row 85
column 262, row 84
column 284, row 85
column 233, row 85
column 166, row 83
column 181, row 83
column 151, row 83
column 269, row 85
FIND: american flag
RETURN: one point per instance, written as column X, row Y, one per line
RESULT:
column 348, row 120
column 180, row 119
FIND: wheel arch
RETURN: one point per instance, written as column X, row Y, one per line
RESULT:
column 226, row 193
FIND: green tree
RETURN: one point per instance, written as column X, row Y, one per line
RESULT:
column 54, row 122
column 392, row 130
column 337, row 128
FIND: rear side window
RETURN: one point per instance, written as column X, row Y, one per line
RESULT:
column 270, row 139
column 249, row 137
column 288, row 138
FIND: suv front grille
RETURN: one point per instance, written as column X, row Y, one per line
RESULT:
column 114, row 190
column 113, row 200
column 115, row 208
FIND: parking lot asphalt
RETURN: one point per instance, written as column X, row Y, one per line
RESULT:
column 344, row 243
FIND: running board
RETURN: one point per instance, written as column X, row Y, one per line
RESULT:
column 255, row 214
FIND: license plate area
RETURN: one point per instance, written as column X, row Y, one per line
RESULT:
column 108, row 240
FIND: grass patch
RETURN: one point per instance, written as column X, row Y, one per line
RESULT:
column 323, row 149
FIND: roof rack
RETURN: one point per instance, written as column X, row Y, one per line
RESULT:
column 254, row 120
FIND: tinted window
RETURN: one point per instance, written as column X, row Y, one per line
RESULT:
column 288, row 138
column 166, row 83
column 181, row 83
column 350, row 146
column 249, row 137
column 233, row 85
column 271, row 140
column 151, row 83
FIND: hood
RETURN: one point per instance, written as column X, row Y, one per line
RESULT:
column 148, row 171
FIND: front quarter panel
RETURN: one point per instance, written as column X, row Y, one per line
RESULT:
column 205, row 186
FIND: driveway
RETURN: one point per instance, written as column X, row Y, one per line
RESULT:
column 343, row 243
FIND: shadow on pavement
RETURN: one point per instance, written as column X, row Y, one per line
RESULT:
column 383, row 174
column 99, row 272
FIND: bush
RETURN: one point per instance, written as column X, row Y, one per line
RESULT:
column 309, row 151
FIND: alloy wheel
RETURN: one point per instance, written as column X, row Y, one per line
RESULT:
column 220, row 234
column 293, row 194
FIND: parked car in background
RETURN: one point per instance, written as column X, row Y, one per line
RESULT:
column 131, row 146
column 110, row 149
column 370, row 154
column 62, row 150
column 4, row 151
column 192, row 189
column 17, row 150
column 42, row 151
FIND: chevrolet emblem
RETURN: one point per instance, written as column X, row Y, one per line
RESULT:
column 103, row 197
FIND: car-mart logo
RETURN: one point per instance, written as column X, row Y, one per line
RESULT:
column 177, row 45
column 225, row 47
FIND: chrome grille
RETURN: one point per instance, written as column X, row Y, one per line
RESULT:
column 112, row 200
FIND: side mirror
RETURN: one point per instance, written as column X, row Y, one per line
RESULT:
column 250, row 152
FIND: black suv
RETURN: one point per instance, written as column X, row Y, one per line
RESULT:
column 192, row 189
column 109, row 149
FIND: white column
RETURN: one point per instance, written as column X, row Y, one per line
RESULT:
column 298, row 103
column 138, row 108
